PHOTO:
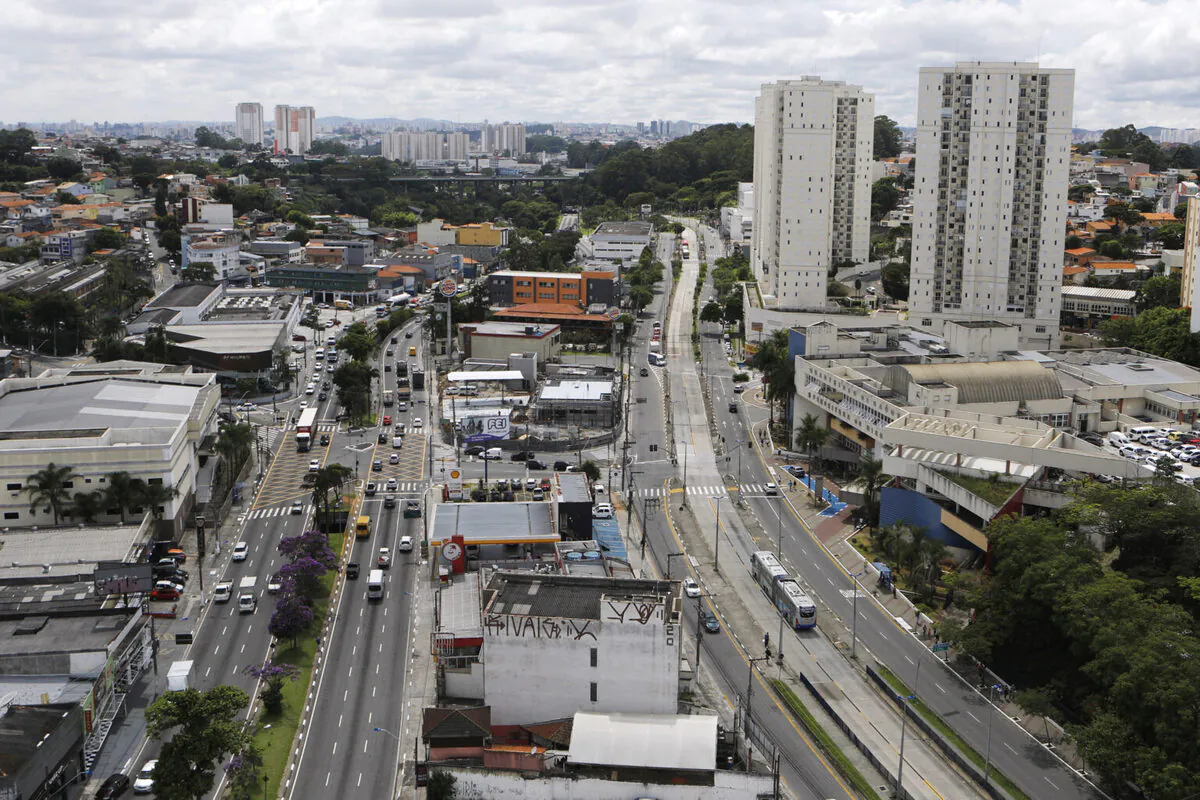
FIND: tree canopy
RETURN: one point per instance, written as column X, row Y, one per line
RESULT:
column 887, row 137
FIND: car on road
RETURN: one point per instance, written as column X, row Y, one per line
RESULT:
column 402, row 405
column 166, row 592
column 297, row 507
column 377, row 465
column 393, row 341
column 602, row 511
column 389, row 352
column 691, row 588
column 387, row 420
column 599, row 490
column 560, row 466
column 394, row 458
column 314, row 465
column 644, row 372
column 738, row 388
column 385, row 558
column 408, row 335
column 222, row 592
column 331, row 368
column 391, row 485
column 144, row 783
column 382, row 439
column 310, row 388
column 324, row 440
column 710, row 621
column 274, row 584
column 522, row 455
column 418, row 423
column 240, row 551
column 474, row 450
column 323, row 396
column 116, row 785
column 532, row 464
column 493, row 454
column 406, row 544
column 303, row 405
column 412, row 509
column 733, row 408
column 351, row 571
column 247, row 407
column 371, row 488
column 772, row 489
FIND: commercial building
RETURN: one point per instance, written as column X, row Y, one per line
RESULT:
column 356, row 284
column 481, row 234
column 617, row 241
column 574, row 643
column 990, row 205
column 737, row 222
column 248, row 123
column 586, row 403
column 144, row 419
column 1088, row 306
column 499, row 340
column 514, row 288
column 813, row 142
column 222, row 250
column 294, row 128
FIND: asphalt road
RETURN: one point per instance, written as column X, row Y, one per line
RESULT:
column 1013, row 751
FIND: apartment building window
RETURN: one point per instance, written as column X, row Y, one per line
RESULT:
column 594, row 691
column 12, row 515
column 595, row 655
column 14, row 487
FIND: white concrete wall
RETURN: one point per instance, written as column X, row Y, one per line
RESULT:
column 476, row 783
column 539, row 668
column 466, row 683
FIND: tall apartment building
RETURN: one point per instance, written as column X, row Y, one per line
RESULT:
column 503, row 137
column 813, row 143
column 248, row 122
column 294, row 126
column 990, row 204
column 1189, row 287
column 408, row 146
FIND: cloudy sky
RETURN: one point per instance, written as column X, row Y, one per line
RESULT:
column 575, row 60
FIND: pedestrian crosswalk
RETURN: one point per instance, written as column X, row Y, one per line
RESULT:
column 401, row 486
column 277, row 511
column 327, row 427
column 704, row 491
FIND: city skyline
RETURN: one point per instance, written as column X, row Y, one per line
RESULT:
column 698, row 63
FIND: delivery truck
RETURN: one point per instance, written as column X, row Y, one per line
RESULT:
column 181, row 676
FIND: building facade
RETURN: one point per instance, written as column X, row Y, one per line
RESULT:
column 989, row 212
column 248, row 123
column 1189, row 287
column 503, row 137
column 424, row 146
column 294, row 127
column 579, row 644
column 813, row 143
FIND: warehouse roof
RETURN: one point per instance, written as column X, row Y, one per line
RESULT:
column 531, row 594
column 984, row 382
column 655, row 741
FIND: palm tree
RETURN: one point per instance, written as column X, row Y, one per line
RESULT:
column 155, row 495
column 121, row 492
column 870, row 472
column 45, row 487
column 234, row 446
column 86, row 506
column 778, row 370
column 811, row 436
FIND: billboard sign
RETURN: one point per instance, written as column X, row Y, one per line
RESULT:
column 448, row 288
column 112, row 577
column 454, row 484
column 486, row 429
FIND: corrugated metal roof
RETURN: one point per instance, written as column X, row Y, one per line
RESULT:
column 1098, row 293
column 984, row 382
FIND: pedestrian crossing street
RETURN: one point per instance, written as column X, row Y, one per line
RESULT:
column 705, row 491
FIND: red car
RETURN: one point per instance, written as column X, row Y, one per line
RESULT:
column 387, row 420
column 164, row 594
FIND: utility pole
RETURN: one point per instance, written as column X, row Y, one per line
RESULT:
column 779, row 554
column 749, row 693
column 904, row 701
column 717, row 538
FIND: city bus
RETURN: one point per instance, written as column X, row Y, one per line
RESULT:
column 388, row 398
column 766, row 571
column 797, row 608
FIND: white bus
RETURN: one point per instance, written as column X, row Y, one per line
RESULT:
column 797, row 608
column 375, row 585
column 388, row 398
column 766, row 570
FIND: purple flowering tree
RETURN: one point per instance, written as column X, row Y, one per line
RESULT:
column 313, row 544
column 293, row 615
column 304, row 576
column 273, row 676
column 243, row 773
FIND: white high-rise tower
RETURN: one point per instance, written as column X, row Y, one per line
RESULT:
column 990, row 204
column 248, row 123
column 813, row 142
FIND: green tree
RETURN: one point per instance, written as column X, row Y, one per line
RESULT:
column 155, row 497
column 590, row 469
column 442, row 786
column 122, row 493
column 1072, row 242
column 870, row 472
column 1170, row 235
column 884, row 197
column 329, row 147
column 86, row 506
column 711, row 312
column 811, row 436
column 894, row 278
column 203, row 728
column 228, row 161
column 63, row 169
column 330, row 480
column 358, row 342
column 778, row 369
column 887, row 137
column 208, row 138
column 47, row 487
column 640, row 297
column 1159, row 291
column 107, row 239
column 198, row 272
column 16, row 145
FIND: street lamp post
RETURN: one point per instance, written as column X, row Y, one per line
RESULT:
column 749, row 692
column 717, row 538
column 779, row 555
column 904, row 701
column 987, row 766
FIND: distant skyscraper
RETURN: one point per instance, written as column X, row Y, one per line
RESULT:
column 654, row 127
column 410, row 146
column 1189, row 289
column 813, row 142
column 502, row 137
column 990, row 204
column 248, row 123
column 294, row 126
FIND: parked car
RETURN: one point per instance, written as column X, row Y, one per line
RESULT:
column 531, row 484
column 560, row 466
column 538, row 494
column 168, row 592
column 602, row 511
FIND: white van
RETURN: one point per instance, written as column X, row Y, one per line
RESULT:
column 320, row 354
column 1118, row 439
column 1142, row 432
column 375, row 585
column 493, row 454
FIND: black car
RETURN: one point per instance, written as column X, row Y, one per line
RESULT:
column 325, row 440
column 733, row 408
column 645, row 372
column 709, row 619
column 389, row 502
column 412, row 508
column 534, row 464
column 473, row 450
column 383, row 438
column 393, row 340
column 408, row 335
column 116, row 785
column 377, row 466
column 351, row 571
column 322, row 397
column 560, row 466
column 522, row 455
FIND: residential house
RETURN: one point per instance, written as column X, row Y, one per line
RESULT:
column 101, row 183
column 76, row 190
column 1075, row 275
column 1109, row 270
column 1078, row 256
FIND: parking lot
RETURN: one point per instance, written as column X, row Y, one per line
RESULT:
column 1148, row 447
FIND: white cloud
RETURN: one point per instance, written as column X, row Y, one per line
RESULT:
column 626, row 60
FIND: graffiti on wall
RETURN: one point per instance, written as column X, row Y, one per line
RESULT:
column 539, row 627
column 642, row 612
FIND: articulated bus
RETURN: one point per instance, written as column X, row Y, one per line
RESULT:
column 783, row 590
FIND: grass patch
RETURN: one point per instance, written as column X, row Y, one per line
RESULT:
column 275, row 742
column 843, row 764
column 991, row 491
column 946, row 731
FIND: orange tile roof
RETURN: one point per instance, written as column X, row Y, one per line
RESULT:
column 1113, row 265
column 549, row 311
column 15, row 203
column 1079, row 251
column 1074, row 270
column 1158, row 216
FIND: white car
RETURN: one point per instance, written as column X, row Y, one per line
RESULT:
column 602, row 511
column 303, row 405
column 599, row 490
column 406, row 544
column 223, row 592
column 309, row 389
column 772, row 489
column 314, row 465
column 144, row 783
column 418, row 423
column 247, row 407
column 691, row 588
column 240, row 551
